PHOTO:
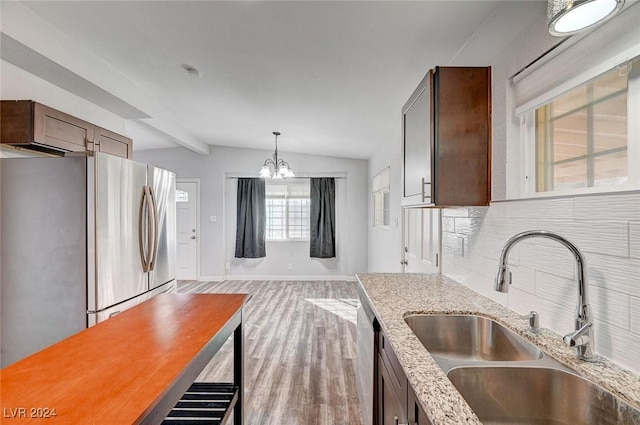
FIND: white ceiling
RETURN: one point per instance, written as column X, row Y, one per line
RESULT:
column 330, row 76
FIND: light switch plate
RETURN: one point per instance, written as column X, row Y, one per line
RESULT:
column 213, row 218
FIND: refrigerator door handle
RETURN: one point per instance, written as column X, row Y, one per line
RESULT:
column 151, row 213
column 143, row 248
column 153, row 254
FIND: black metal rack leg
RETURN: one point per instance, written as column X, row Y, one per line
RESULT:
column 238, row 373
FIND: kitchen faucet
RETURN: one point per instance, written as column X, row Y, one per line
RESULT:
column 582, row 337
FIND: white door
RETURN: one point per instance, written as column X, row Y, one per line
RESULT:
column 421, row 240
column 187, row 229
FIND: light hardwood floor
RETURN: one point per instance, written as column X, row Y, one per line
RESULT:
column 300, row 355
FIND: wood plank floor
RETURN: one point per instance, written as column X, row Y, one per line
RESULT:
column 300, row 360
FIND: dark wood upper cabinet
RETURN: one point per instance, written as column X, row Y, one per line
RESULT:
column 112, row 143
column 31, row 125
column 446, row 139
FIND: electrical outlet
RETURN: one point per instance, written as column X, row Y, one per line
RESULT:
column 289, row 266
column 227, row 266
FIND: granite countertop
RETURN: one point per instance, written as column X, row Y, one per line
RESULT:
column 393, row 295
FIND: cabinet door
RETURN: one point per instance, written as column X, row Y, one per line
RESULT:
column 112, row 143
column 416, row 145
column 390, row 407
column 417, row 416
column 462, row 136
column 59, row 130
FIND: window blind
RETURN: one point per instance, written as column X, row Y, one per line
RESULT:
column 381, row 180
column 610, row 45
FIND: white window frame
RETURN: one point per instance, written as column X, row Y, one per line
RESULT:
column 572, row 64
column 286, row 198
column 381, row 189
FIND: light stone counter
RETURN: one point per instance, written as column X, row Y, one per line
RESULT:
column 392, row 296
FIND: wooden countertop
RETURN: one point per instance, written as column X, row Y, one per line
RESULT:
column 129, row 369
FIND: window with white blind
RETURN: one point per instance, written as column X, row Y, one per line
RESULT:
column 381, row 200
column 288, row 205
column 578, row 113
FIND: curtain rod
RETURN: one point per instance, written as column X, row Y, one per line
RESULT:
column 289, row 178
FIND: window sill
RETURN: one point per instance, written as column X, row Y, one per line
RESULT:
column 286, row 240
column 591, row 191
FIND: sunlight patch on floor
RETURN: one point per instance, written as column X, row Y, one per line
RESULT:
column 345, row 307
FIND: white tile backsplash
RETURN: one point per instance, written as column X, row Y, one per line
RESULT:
column 615, row 274
column 524, row 279
column 611, row 307
column 625, row 207
column 552, row 315
column 618, row 345
column 556, row 289
column 606, row 228
column 600, row 237
column 634, row 239
column 635, row 315
column 557, row 209
column 554, row 259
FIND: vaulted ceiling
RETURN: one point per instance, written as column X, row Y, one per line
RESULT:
column 331, row 76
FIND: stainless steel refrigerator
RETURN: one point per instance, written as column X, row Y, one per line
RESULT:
column 82, row 238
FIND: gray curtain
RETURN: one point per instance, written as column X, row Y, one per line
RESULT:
column 323, row 217
column 251, row 219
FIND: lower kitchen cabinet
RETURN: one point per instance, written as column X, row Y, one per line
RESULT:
column 392, row 399
column 390, row 408
column 417, row 416
column 397, row 402
column 392, row 386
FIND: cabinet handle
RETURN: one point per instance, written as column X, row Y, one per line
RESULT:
column 424, row 183
column 395, row 421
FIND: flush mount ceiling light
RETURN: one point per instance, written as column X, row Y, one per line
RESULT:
column 567, row 17
column 281, row 167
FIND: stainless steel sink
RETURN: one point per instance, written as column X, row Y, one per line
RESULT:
column 529, row 395
column 470, row 338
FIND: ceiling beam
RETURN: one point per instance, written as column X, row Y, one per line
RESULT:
column 41, row 49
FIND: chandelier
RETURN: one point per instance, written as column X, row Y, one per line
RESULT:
column 281, row 169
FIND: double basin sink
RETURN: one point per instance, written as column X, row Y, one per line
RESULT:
column 505, row 379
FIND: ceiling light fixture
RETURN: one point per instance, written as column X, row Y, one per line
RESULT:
column 567, row 17
column 281, row 169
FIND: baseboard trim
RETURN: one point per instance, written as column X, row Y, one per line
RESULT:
column 211, row 278
column 350, row 278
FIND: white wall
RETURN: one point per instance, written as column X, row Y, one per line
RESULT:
column 218, row 199
column 605, row 227
column 384, row 252
column 18, row 84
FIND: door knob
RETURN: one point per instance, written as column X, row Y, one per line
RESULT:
column 404, row 262
column 193, row 237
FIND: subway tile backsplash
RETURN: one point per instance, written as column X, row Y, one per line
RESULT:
column 606, row 228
